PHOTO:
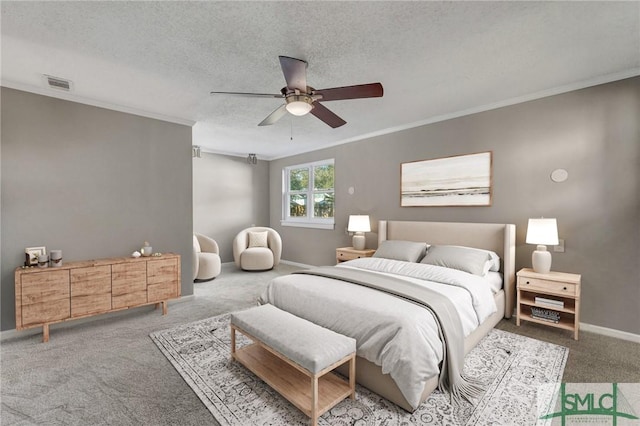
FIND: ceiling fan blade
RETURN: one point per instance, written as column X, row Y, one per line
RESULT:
column 276, row 115
column 372, row 90
column 253, row 95
column 324, row 114
column 295, row 73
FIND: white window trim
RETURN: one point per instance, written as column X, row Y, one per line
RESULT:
column 306, row 222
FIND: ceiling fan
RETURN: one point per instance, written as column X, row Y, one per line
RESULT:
column 301, row 99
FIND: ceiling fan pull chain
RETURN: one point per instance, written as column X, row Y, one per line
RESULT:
column 291, row 129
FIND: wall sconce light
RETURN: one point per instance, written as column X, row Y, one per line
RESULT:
column 252, row 159
column 195, row 151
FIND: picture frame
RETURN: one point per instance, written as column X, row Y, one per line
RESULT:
column 460, row 180
column 32, row 253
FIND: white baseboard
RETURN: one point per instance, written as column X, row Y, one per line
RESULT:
column 618, row 334
column 8, row 334
column 300, row 265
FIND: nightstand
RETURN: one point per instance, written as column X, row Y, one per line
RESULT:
column 551, row 299
column 349, row 253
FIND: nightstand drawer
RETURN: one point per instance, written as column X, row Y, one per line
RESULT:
column 349, row 253
column 342, row 256
column 554, row 287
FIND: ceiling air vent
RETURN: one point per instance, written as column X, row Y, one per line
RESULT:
column 58, row 83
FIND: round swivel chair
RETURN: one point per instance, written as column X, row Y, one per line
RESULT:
column 257, row 248
column 206, row 258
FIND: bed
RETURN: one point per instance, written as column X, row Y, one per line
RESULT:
column 291, row 292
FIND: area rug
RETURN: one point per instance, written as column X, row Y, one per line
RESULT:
column 511, row 367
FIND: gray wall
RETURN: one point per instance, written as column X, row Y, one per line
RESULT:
column 228, row 195
column 92, row 182
column 593, row 133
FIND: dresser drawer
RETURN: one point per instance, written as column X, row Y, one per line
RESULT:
column 162, row 271
column 547, row 286
column 129, row 299
column 92, row 280
column 90, row 304
column 51, row 311
column 163, row 291
column 45, row 287
column 129, row 278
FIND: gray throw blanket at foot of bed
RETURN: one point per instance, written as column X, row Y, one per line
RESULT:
column 450, row 329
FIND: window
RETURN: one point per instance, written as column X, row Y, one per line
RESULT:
column 308, row 195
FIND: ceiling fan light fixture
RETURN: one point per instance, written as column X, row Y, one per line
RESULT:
column 299, row 104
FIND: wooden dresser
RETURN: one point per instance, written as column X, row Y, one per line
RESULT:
column 80, row 289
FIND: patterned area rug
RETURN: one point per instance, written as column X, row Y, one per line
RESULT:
column 511, row 366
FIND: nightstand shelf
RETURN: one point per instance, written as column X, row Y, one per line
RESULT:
column 558, row 286
column 528, row 298
column 349, row 253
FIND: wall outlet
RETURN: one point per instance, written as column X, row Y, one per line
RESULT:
column 560, row 247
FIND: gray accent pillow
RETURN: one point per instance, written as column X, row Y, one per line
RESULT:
column 409, row 251
column 467, row 259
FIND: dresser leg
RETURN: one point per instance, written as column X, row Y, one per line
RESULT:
column 164, row 307
column 45, row 333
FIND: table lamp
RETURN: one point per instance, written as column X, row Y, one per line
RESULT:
column 542, row 232
column 359, row 224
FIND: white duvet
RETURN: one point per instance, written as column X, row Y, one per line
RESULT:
column 398, row 335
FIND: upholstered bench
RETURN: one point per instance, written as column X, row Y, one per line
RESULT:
column 295, row 357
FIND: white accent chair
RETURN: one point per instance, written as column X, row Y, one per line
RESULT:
column 251, row 254
column 206, row 258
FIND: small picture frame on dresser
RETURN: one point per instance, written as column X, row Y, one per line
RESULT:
column 31, row 255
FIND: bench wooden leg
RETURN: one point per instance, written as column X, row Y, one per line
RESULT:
column 45, row 333
column 352, row 377
column 314, row 400
column 233, row 341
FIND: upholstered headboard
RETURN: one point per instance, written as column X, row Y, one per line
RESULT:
column 497, row 237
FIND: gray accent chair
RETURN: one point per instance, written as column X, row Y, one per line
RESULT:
column 257, row 258
column 206, row 258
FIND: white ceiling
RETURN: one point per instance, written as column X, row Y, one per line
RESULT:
column 435, row 60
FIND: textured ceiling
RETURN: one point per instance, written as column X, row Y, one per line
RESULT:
column 434, row 59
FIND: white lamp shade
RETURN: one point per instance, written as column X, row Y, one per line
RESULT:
column 359, row 223
column 542, row 231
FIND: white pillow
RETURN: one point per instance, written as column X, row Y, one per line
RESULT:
column 409, row 251
column 495, row 281
column 467, row 259
column 494, row 259
column 258, row 239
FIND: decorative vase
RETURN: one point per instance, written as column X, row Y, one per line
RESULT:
column 146, row 250
column 55, row 257
column 43, row 261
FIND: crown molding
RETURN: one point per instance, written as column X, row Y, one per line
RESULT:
column 53, row 93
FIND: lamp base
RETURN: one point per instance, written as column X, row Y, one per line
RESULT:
column 541, row 260
column 358, row 241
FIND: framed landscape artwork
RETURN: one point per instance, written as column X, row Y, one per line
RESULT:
column 463, row 180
